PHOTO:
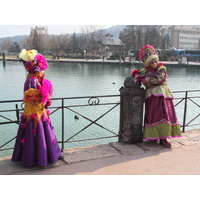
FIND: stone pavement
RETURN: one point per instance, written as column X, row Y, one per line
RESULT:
column 147, row 158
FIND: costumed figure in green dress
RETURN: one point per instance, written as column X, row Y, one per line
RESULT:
column 160, row 121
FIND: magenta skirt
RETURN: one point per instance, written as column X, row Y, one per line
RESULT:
column 160, row 119
column 38, row 147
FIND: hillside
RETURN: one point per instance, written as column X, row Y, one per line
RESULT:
column 14, row 38
column 114, row 30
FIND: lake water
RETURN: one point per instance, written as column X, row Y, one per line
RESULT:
column 76, row 79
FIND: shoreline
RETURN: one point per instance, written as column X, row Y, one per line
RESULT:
column 100, row 61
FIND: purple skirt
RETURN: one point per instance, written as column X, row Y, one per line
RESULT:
column 36, row 147
column 160, row 119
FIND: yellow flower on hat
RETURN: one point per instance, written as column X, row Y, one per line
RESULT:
column 28, row 55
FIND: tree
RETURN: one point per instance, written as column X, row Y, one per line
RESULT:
column 166, row 42
column 74, row 43
column 90, row 35
column 37, row 39
column 136, row 36
column 58, row 44
column 14, row 48
column 151, row 35
column 128, row 37
column 6, row 45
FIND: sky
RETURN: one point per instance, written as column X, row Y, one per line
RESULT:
column 15, row 30
column 61, row 16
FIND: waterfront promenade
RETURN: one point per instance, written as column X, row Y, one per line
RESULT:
column 120, row 159
column 146, row 158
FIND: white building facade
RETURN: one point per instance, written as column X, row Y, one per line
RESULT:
column 183, row 36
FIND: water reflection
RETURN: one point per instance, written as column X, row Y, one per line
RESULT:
column 71, row 79
column 76, row 79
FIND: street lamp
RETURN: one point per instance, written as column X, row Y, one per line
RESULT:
column 84, row 52
column 106, row 48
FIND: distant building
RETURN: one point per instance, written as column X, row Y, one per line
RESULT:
column 183, row 36
column 110, row 44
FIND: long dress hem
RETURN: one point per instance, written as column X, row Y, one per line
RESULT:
column 36, row 147
column 36, row 142
column 160, row 119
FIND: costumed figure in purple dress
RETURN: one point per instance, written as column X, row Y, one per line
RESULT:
column 36, row 143
column 160, row 120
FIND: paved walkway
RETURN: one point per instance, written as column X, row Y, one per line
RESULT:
column 147, row 158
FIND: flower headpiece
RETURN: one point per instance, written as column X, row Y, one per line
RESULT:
column 27, row 55
column 34, row 62
column 147, row 54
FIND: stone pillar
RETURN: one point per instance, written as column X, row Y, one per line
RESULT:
column 131, row 112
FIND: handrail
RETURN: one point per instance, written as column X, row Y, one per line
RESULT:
column 183, row 98
column 91, row 101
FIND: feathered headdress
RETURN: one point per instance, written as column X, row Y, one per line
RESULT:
column 34, row 62
column 147, row 54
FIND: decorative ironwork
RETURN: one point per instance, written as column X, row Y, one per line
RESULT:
column 22, row 105
column 93, row 101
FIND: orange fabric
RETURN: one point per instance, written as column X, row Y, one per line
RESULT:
column 33, row 106
column 37, row 74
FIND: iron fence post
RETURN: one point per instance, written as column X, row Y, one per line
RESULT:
column 17, row 112
column 185, row 111
column 63, row 125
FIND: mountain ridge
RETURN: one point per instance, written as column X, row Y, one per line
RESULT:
column 114, row 30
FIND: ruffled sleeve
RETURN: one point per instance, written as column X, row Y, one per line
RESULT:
column 154, row 80
column 157, row 78
column 31, row 82
column 46, row 89
column 138, row 75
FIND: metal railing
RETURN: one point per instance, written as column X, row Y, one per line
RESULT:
column 111, row 102
column 186, row 103
column 190, row 109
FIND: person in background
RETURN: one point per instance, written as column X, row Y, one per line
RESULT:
column 160, row 121
column 36, row 142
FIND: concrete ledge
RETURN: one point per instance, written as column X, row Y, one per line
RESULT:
column 100, row 61
column 104, row 153
column 89, row 153
column 150, row 146
column 191, row 137
column 7, row 167
column 127, row 149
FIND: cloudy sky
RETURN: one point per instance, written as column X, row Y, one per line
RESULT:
column 13, row 30
column 61, row 16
